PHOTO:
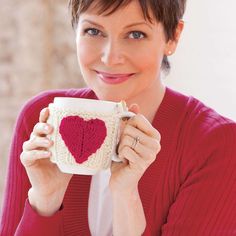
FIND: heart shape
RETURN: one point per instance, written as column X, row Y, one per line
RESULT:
column 82, row 137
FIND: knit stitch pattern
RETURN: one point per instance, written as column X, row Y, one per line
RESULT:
column 81, row 137
column 101, row 157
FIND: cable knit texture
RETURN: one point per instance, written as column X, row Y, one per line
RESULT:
column 189, row 190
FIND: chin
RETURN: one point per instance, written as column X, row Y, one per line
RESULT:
column 110, row 97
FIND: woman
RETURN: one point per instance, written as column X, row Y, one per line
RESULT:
column 178, row 178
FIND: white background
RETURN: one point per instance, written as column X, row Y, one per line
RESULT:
column 204, row 64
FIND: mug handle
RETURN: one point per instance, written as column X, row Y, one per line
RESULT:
column 125, row 114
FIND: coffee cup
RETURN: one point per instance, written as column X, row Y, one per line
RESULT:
column 85, row 134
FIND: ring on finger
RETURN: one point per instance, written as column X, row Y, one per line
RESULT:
column 136, row 140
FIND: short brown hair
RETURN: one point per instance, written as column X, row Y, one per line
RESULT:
column 168, row 12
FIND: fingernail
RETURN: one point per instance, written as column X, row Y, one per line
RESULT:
column 43, row 111
column 46, row 127
column 46, row 153
column 46, row 142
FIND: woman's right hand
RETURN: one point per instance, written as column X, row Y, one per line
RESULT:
column 48, row 183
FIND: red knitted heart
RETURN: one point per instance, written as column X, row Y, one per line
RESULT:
column 82, row 137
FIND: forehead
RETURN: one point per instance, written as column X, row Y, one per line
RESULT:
column 128, row 10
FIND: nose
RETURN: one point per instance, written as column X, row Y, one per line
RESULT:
column 112, row 53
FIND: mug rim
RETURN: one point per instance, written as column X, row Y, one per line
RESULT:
column 84, row 103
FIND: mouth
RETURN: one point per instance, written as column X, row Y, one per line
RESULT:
column 113, row 78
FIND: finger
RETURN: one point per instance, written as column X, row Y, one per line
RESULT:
column 140, row 122
column 149, row 154
column 43, row 116
column 134, row 108
column 135, row 161
column 29, row 158
column 143, row 138
column 37, row 142
column 42, row 129
column 122, row 158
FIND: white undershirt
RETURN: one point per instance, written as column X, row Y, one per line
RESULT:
column 100, row 205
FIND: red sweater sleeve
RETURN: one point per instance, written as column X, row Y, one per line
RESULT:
column 17, row 215
column 33, row 224
column 206, row 202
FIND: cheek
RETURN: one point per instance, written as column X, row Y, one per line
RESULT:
column 148, row 59
column 86, row 53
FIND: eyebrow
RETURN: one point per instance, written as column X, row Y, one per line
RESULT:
column 127, row 26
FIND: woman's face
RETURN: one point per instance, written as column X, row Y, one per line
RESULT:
column 120, row 55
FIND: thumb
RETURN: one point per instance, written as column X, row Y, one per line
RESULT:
column 134, row 108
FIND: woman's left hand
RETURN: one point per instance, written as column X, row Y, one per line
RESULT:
column 138, row 148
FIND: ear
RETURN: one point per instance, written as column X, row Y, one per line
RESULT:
column 171, row 45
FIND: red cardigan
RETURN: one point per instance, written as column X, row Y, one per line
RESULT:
column 189, row 190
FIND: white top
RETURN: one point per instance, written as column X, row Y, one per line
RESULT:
column 100, row 205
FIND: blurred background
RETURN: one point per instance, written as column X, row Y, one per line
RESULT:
column 37, row 52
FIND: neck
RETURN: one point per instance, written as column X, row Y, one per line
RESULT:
column 149, row 100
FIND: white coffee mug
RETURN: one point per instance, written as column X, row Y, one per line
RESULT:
column 86, row 133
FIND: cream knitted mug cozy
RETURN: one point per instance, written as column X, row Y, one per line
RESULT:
column 86, row 133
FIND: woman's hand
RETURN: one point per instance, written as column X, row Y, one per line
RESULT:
column 48, row 182
column 138, row 147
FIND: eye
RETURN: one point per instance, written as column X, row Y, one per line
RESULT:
column 137, row 35
column 92, row 31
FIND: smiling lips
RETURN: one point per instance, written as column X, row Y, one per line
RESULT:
column 113, row 78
